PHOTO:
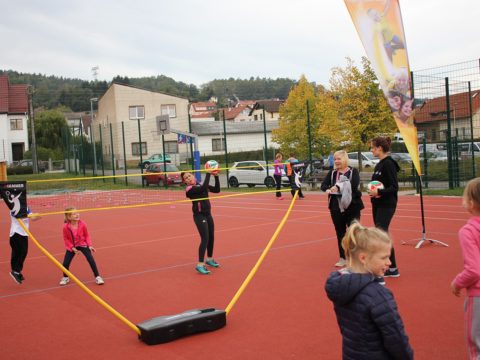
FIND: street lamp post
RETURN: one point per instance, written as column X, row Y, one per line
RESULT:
column 92, row 127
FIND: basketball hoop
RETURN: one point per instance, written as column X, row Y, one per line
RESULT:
column 163, row 124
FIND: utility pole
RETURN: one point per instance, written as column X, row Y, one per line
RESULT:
column 30, row 92
column 92, row 126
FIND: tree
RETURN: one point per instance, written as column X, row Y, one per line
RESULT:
column 292, row 133
column 48, row 129
column 363, row 112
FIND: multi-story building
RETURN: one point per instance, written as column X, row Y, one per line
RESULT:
column 13, row 120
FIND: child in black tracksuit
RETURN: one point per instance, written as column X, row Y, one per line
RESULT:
column 202, row 216
column 384, row 201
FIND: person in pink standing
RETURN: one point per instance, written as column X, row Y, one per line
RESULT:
column 277, row 174
column 469, row 277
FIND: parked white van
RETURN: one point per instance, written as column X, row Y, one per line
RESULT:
column 432, row 147
column 466, row 148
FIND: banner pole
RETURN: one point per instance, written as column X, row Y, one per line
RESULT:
column 424, row 238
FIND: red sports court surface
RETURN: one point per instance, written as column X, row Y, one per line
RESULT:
column 147, row 258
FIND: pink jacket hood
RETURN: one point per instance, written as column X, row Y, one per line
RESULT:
column 469, row 278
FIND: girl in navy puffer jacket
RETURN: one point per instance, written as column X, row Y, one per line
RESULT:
column 366, row 311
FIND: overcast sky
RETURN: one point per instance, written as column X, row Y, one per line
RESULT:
column 196, row 41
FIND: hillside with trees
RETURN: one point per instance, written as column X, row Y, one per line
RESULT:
column 52, row 91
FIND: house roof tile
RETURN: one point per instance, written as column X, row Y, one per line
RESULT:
column 13, row 98
column 436, row 109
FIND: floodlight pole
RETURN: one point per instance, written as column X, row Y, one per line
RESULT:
column 93, row 136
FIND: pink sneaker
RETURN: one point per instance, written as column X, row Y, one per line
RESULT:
column 280, row 198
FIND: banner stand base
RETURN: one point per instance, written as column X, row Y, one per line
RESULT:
column 423, row 240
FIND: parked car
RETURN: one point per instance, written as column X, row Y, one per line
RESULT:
column 465, row 149
column 155, row 174
column 432, row 147
column 401, row 157
column 26, row 167
column 368, row 160
column 435, row 156
column 155, row 158
column 253, row 173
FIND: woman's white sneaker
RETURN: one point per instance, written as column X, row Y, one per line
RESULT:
column 64, row 281
column 99, row 280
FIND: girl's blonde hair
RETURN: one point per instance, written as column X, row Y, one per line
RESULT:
column 68, row 212
column 343, row 156
column 278, row 156
column 472, row 192
column 362, row 239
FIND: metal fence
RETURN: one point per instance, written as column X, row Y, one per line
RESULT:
column 447, row 117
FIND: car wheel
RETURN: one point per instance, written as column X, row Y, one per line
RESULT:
column 251, row 185
column 366, row 166
column 233, row 182
column 269, row 182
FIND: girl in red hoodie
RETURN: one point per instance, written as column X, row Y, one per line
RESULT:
column 469, row 277
column 77, row 239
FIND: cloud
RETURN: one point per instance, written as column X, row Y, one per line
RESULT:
column 198, row 41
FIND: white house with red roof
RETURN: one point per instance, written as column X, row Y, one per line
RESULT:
column 13, row 120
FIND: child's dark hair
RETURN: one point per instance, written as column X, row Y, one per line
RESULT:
column 472, row 192
column 360, row 238
column 384, row 142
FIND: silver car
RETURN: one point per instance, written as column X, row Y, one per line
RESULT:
column 368, row 160
column 253, row 173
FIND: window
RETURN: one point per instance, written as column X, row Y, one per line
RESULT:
column 255, row 117
column 136, row 148
column 136, row 112
column 16, row 124
column 169, row 110
column 171, row 147
column 217, row 145
column 353, row 156
column 434, row 135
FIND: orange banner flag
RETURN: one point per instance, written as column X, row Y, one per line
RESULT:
column 379, row 25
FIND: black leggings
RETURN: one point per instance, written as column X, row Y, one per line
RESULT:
column 294, row 186
column 278, row 182
column 341, row 221
column 69, row 255
column 382, row 218
column 206, row 229
column 19, row 245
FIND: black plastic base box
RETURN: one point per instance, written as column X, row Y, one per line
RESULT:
column 164, row 329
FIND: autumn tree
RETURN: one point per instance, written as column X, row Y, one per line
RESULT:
column 292, row 133
column 362, row 109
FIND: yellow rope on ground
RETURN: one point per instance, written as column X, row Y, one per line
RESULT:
column 260, row 260
column 79, row 283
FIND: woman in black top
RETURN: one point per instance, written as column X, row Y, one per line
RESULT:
column 384, row 201
column 342, row 216
column 202, row 216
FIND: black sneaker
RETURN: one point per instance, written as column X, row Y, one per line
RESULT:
column 22, row 277
column 392, row 273
column 16, row 276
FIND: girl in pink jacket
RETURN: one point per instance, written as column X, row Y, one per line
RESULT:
column 77, row 239
column 469, row 278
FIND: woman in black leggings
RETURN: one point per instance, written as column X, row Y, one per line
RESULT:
column 202, row 217
column 384, row 201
